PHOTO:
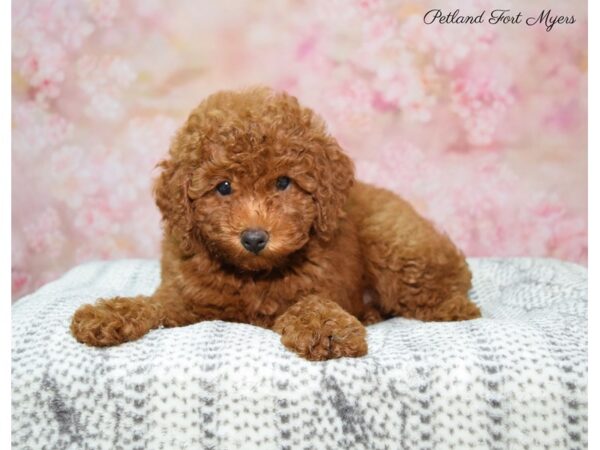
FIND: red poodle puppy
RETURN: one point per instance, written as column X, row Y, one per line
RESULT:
column 265, row 224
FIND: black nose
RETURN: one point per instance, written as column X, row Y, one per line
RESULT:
column 254, row 240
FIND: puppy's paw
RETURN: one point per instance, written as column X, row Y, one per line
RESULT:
column 114, row 321
column 320, row 335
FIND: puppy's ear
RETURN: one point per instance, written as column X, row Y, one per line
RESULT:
column 334, row 176
column 171, row 195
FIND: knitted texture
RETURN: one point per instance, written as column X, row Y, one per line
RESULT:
column 517, row 378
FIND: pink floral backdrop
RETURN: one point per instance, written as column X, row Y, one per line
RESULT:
column 482, row 127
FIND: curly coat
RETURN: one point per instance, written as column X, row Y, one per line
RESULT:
column 331, row 239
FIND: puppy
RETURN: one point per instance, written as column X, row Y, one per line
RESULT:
column 265, row 224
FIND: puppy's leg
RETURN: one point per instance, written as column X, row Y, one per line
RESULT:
column 319, row 329
column 114, row 321
column 415, row 270
column 122, row 319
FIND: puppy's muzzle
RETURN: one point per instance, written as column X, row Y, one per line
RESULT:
column 254, row 240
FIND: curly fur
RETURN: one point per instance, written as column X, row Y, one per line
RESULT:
column 331, row 239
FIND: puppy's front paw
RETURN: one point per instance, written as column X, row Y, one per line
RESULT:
column 112, row 322
column 319, row 335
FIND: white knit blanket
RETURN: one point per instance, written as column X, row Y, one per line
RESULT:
column 517, row 378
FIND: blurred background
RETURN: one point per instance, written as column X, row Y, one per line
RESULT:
column 483, row 128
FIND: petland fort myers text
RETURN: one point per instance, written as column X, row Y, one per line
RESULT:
column 498, row 17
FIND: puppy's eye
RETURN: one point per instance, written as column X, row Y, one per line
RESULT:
column 282, row 183
column 224, row 188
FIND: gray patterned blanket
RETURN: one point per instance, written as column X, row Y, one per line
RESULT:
column 517, row 378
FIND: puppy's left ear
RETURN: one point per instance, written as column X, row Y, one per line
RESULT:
column 334, row 173
column 171, row 196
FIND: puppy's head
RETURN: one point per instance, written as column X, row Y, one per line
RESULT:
column 252, row 176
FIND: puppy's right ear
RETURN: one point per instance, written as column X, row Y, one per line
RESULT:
column 171, row 195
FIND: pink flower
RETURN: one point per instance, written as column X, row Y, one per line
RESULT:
column 103, row 12
column 21, row 281
column 43, row 234
column 481, row 99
